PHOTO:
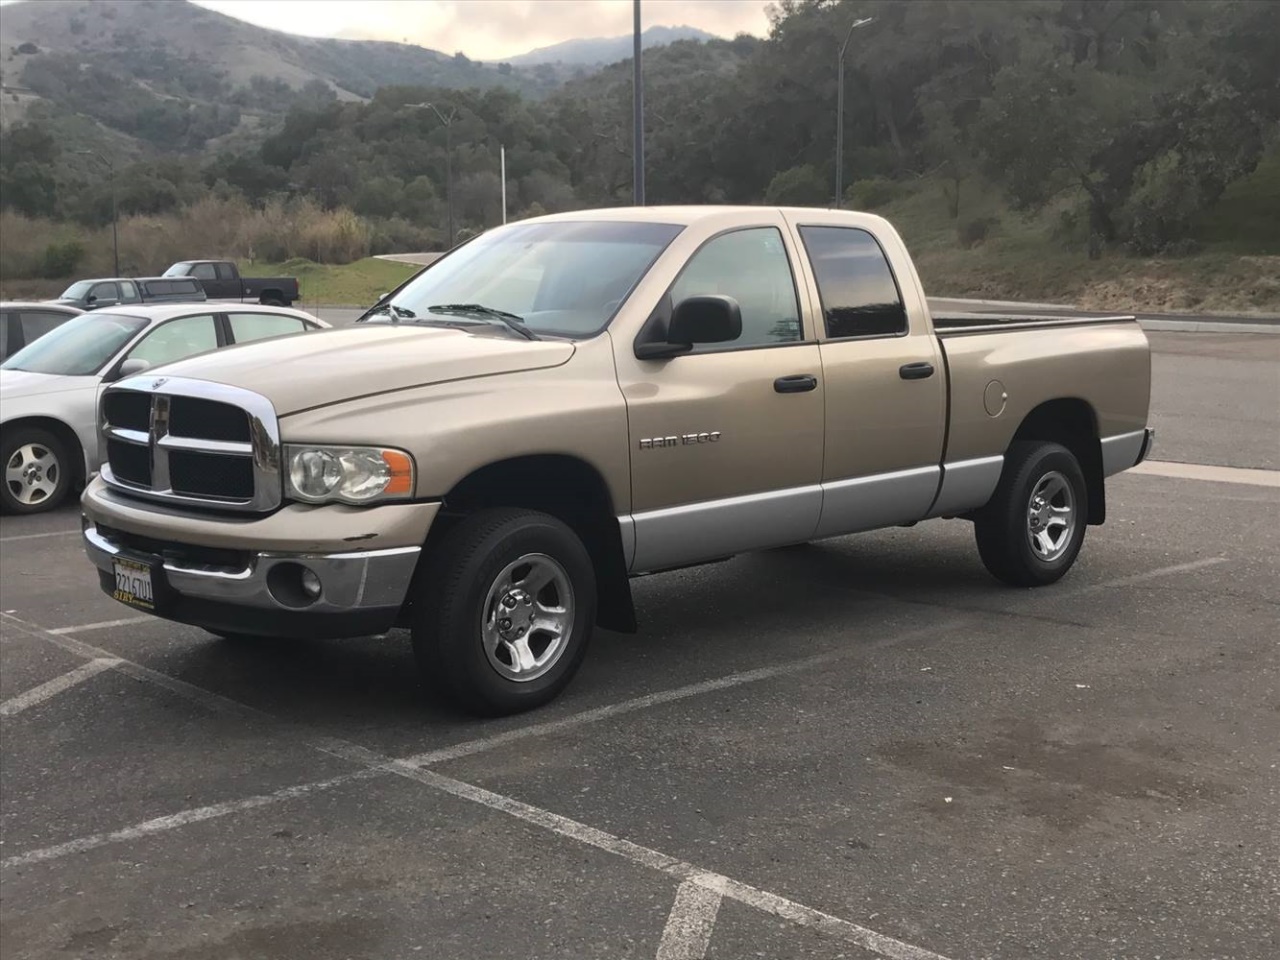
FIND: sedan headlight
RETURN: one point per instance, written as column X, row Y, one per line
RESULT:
column 317, row 474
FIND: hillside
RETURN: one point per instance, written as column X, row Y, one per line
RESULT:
column 169, row 74
column 594, row 51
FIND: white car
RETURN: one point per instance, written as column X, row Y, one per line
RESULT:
column 49, row 390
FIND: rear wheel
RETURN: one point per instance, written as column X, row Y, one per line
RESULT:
column 1031, row 532
column 37, row 471
column 504, row 608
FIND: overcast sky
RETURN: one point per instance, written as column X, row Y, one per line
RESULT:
column 490, row 29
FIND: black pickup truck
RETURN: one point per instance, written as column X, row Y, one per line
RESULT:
column 222, row 281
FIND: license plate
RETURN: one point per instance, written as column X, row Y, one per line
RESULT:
column 133, row 584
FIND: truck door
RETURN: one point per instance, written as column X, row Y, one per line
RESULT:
column 214, row 289
column 886, row 396
column 726, row 441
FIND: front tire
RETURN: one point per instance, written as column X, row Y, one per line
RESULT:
column 503, row 611
column 1031, row 532
column 37, row 471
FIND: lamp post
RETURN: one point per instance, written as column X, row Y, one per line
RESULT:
column 840, row 110
column 448, row 160
column 111, row 176
column 637, row 109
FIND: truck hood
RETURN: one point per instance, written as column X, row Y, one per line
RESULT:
column 332, row 366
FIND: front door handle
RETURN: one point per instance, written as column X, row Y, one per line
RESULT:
column 916, row 371
column 798, row 383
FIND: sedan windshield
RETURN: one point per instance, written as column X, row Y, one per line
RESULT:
column 563, row 278
column 77, row 290
column 79, row 347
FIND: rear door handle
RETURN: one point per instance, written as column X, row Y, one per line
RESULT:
column 916, row 371
column 798, row 383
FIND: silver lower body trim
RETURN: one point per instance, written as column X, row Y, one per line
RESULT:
column 696, row 532
column 1124, row 450
column 967, row 485
column 354, row 581
column 881, row 500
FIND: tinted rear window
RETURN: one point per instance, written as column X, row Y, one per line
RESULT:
column 859, row 294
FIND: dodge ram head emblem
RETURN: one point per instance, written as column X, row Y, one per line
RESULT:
column 159, row 382
column 682, row 440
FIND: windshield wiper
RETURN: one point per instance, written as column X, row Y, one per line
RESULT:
column 516, row 323
column 390, row 309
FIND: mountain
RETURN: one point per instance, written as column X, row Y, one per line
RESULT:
column 600, row 50
column 168, row 73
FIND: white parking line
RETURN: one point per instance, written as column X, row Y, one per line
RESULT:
column 45, row 691
column 375, row 764
column 1144, row 577
column 38, row 536
column 181, row 819
column 1207, row 471
column 103, row 625
column 690, row 923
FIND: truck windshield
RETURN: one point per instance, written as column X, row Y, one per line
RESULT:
column 564, row 279
column 76, row 290
column 177, row 270
column 79, row 347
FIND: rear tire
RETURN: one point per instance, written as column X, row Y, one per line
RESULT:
column 1031, row 531
column 503, row 611
column 37, row 471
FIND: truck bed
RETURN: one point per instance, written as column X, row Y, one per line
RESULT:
column 953, row 323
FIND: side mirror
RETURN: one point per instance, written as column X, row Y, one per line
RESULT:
column 707, row 319
column 132, row 367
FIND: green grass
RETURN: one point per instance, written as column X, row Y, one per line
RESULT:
column 355, row 284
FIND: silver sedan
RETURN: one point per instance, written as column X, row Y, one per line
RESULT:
column 49, row 390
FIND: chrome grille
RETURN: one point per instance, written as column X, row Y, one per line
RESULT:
column 200, row 443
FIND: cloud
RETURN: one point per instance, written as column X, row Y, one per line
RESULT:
column 491, row 29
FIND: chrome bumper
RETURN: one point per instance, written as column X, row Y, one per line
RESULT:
column 369, row 580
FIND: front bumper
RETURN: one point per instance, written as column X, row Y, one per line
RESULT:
column 361, row 592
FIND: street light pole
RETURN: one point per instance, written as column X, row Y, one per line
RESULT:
column 111, row 177
column 448, row 161
column 637, row 109
column 840, row 111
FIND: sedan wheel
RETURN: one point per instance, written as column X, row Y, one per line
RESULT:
column 35, row 473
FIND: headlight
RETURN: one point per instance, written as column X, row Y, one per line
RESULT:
column 347, row 474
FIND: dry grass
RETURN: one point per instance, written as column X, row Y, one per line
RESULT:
column 210, row 228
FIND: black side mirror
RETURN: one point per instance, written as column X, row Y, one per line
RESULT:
column 707, row 319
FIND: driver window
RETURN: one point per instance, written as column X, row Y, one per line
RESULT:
column 177, row 339
column 751, row 266
column 105, row 291
column 203, row 271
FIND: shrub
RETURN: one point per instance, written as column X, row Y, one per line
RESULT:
column 797, row 187
column 61, row 258
column 873, row 194
column 974, row 231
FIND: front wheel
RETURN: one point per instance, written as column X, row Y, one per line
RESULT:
column 503, row 611
column 37, row 471
column 1031, row 532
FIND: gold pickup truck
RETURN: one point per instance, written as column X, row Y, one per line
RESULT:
column 564, row 403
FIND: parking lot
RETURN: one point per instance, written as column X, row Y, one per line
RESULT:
column 864, row 747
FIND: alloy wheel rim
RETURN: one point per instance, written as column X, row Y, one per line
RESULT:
column 1051, row 516
column 32, row 474
column 527, row 618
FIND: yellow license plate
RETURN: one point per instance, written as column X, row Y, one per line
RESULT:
column 133, row 584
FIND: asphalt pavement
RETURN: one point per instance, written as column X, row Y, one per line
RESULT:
column 859, row 748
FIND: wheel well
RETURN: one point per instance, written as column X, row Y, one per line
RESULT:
column 570, row 490
column 272, row 294
column 64, row 434
column 1072, row 423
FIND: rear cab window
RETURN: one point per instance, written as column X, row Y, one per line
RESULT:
column 860, row 296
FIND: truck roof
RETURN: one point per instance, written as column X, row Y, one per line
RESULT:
column 687, row 215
